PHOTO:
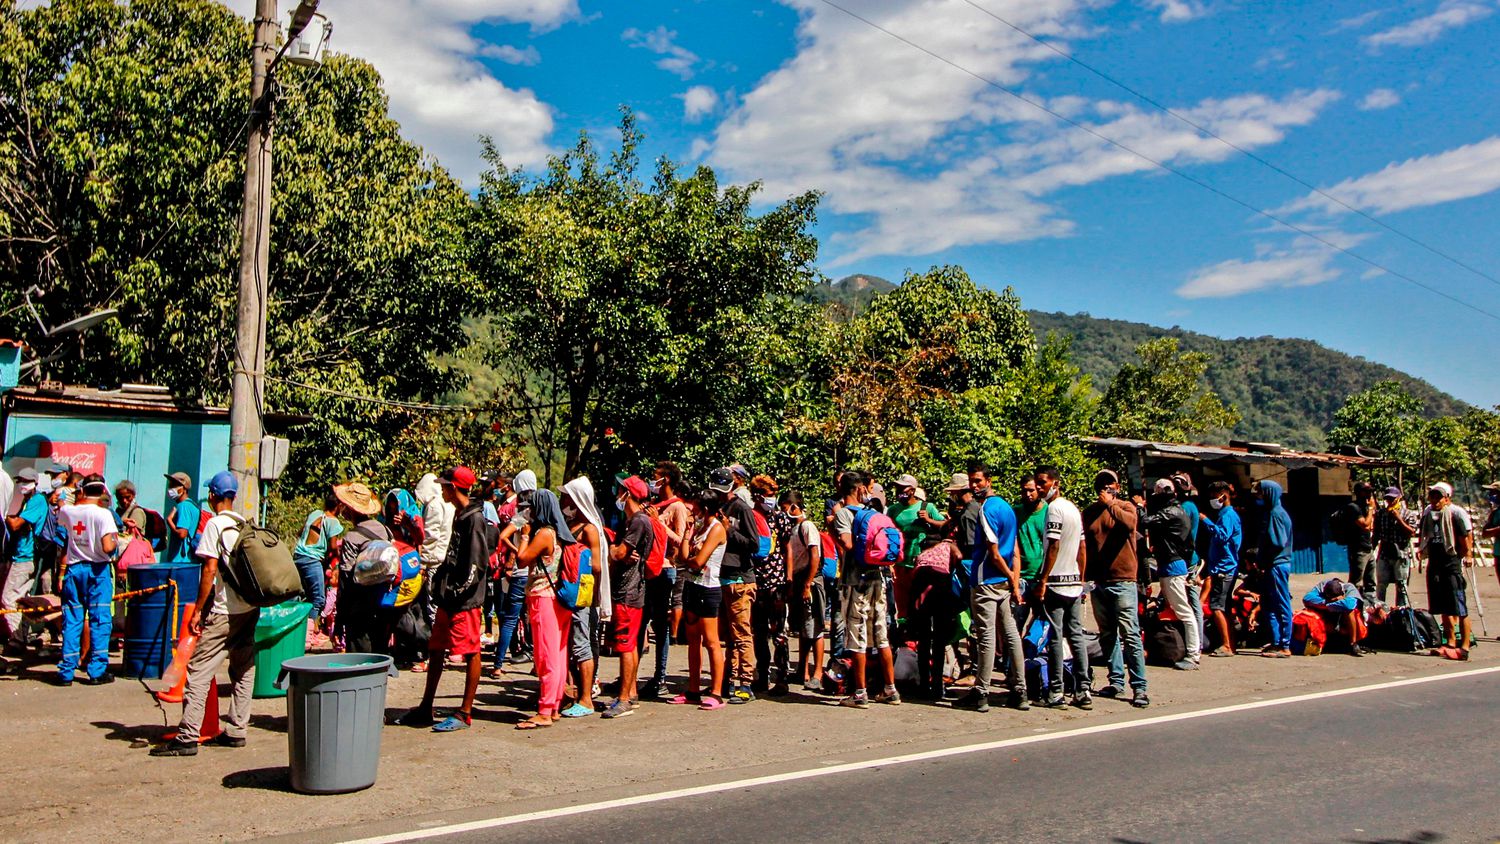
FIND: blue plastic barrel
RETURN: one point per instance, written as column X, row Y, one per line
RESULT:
column 149, row 634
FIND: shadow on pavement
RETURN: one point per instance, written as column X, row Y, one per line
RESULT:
column 265, row 779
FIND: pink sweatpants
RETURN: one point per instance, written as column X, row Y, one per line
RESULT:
column 550, row 623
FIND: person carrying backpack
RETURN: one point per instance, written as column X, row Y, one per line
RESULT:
column 737, row 587
column 225, row 626
column 768, row 613
column 25, row 514
column 183, row 519
column 866, row 609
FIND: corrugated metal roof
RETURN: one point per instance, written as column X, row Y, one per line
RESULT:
column 1287, row 457
column 131, row 398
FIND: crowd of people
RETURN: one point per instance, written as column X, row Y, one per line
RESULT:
column 855, row 597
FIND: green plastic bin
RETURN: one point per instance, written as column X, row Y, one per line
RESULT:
column 280, row 635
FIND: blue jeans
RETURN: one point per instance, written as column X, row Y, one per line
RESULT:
column 86, row 587
column 1116, row 611
column 509, row 607
column 313, row 588
column 1277, row 598
column 659, row 616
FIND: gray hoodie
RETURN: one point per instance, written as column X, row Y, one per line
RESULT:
column 437, row 521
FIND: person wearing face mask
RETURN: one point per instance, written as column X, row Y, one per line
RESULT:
column 1395, row 525
column 25, row 513
column 1109, row 526
column 587, row 526
column 1059, row 591
column 737, row 584
column 916, row 518
column 768, row 614
column 628, row 561
column 88, row 585
column 182, row 519
column 1171, row 542
column 1225, row 538
column 1275, row 558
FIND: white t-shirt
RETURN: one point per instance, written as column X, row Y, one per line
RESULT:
column 87, row 525
column 219, row 537
column 1065, row 530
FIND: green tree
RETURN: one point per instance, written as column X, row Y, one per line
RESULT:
column 1384, row 417
column 1163, row 397
column 636, row 313
column 121, row 164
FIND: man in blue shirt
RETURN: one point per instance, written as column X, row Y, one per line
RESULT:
column 996, row 589
column 1225, row 538
column 182, row 521
column 24, row 515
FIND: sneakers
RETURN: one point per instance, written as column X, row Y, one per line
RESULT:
column 652, row 689
column 227, row 740
column 891, row 697
column 1083, row 701
column 975, row 700
column 102, row 680
column 59, row 680
column 741, row 695
column 1055, row 702
column 1140, row 701
column 814, row 685
column 855, row 702
column 175, row 748
column 1017, row 700
column 1185, row 665
column 619, row 709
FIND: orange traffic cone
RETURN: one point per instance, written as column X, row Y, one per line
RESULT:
column 210, row 726
column 175, row 677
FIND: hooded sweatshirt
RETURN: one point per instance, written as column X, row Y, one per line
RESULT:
column 582, row 492
column 1276, row 539
column 1109, row 541
column 437, row 521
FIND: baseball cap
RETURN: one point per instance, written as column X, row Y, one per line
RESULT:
column 182, row 479
column 721, row 479
column 739, row 469
column 636, row 487
column 1163, row 486
column 460, row 477
column 26, row 474
column 906, row 481
column 1393, row 492
column 223, row 485
column 959, row 483
column 1442, row 487
column 1105, row 478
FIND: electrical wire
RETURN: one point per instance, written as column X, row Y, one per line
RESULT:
column 1237, row 148
column 1167, row 167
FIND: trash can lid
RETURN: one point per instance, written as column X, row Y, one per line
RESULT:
column 337, row 663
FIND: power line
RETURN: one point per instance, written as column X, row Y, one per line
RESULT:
column 1241, row 150
column 1166, row 167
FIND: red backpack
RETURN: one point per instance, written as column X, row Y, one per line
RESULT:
column 656, row 559
column 830, row 566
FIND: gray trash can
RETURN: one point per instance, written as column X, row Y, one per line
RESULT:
column 335, row 711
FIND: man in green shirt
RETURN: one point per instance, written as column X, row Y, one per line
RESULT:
column 1031, row 542
column 914, row 516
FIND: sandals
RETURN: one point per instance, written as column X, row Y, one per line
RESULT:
column 419, row 668
column 496, row 674
column 453, row 723
column 533, row 724
column 693, row 698
column 577, row 710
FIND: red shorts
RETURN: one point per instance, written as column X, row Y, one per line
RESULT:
column 456, row 633
column 627, row 621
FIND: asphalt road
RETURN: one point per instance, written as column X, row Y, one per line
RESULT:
column 1409, row 764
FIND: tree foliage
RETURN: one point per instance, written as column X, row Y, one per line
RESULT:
column 1458, row 449
column 1163, row 397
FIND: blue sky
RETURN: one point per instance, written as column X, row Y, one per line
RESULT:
column 1389, row 106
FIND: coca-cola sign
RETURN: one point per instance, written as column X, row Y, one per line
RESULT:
column 83, row 457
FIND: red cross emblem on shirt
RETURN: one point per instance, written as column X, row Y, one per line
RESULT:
column 78, row 528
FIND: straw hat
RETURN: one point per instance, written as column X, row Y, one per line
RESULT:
column 357, row 497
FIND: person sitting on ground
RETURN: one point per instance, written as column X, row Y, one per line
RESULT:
column 1342, row 608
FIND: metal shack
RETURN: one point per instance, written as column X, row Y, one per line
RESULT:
column 1315, row 483
column 140, row 433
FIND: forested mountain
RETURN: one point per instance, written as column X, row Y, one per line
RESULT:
column 1286, row 390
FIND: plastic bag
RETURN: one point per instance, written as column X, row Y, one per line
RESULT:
column 277, row 621
column 378, row 563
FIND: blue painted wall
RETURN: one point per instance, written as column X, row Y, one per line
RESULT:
column 143, row 450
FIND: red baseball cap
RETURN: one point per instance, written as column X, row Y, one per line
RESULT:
column 637, row 488
column 461, row 477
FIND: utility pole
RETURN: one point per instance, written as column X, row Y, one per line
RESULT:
column 247, row 399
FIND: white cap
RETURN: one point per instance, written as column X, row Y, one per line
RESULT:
column 1442, row 487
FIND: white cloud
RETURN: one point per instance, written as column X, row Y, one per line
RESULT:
column 440, row 91
column 662, row 41
column 1380, row 98
column 1461, row 173
column 1304, row 263
column 511, row 55
column 923, row 157
column 698, row 102
column 1450, row 14
column 1178, row 11
column 1357, row 21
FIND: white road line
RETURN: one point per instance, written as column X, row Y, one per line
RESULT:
column 847, row 767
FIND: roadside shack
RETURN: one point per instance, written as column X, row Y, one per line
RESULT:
column 1316, row 483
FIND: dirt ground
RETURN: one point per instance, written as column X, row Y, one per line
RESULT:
column 79, row 765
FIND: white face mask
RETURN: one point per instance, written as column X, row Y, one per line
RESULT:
column 620, row 503
column 174, row 493
column 27, row 488
column 1216, row 504
column 768, row 505
column 1052, row 493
